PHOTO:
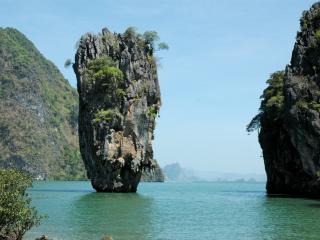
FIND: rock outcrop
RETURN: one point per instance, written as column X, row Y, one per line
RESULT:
column 153, row 174
column 39, row 113
column 119, row 100
column 289, row 117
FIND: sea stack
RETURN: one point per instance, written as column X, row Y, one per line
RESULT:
column 289, row 118
column 119, row 97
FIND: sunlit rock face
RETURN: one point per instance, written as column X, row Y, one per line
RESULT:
column 38, row 113
column 119, row 100
column 291, row 143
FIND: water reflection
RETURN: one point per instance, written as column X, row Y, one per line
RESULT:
column 121, row 215
column 59, row 191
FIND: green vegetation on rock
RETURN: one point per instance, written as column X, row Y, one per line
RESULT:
column 272, row 101
column 153, row 111
column 317, row 36
column 149, row 38
column 109, row 72
column 39, row 112
column 117, row 86
column 100, row 63
column 104, row 116
column 16, row 214
column 130, row 32
column 103, row 71
column 304, row 105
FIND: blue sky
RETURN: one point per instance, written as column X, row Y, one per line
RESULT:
column 221, row 53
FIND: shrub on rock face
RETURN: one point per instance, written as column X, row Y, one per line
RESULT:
column 272, row 101
column 16, row 214
column 100, row 63
column 317, row 36
column 149, row 38
column 104, row 115
column 103, row 71
column 131, row 32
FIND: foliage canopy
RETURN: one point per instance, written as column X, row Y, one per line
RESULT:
column 272, row 101
column 16, row 214
column 150, row 38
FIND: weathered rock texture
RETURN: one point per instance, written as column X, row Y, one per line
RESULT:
column 153, row 174
column 291, row 140
column 119, row 101
column 38, row 113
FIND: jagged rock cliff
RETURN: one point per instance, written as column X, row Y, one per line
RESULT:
column 39, row 111
column 153, row 174
column 119, row 100
column 290, row 117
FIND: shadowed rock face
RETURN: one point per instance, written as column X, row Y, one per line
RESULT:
column 154, row 174
column 291, row 144
column 119, row 100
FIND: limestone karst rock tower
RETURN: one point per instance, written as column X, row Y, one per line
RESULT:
column 119, row 101
column 289, row 117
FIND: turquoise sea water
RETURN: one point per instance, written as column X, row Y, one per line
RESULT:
column 177, row 211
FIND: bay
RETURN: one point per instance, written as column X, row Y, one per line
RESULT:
column 172, row 210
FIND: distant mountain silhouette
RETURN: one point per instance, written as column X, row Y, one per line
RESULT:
column 174, row 172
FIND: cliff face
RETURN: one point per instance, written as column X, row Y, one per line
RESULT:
column 39, row 109
column 290, row 117
column 152, row 174
column 119, row 100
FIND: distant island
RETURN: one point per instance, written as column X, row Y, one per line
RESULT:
column 174, row 172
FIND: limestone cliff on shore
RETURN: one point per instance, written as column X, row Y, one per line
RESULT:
column 289, row 118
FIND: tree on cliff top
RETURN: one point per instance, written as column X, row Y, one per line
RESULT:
column 149, row 37
column 272, row 101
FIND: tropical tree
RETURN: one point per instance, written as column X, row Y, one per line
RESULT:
column 16, row 214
